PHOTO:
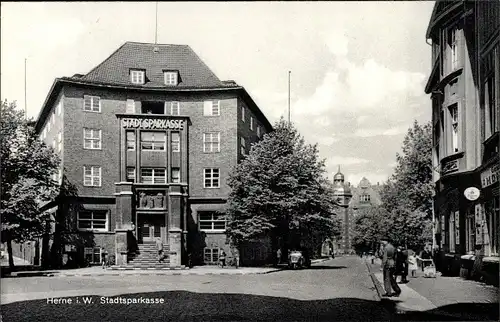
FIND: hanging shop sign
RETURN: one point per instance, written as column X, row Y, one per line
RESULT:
column 154, row 124
column 490, row 176
column 472, row 193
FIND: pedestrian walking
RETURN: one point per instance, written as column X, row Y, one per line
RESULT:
column 402, row 264
column 222, row 258
column 278, row 256
column 389, row 268
column 412, row 265
column 159, row 247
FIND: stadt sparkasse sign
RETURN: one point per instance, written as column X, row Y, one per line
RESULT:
column 153, row 124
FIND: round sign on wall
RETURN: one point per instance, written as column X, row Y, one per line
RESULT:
column 471, row 193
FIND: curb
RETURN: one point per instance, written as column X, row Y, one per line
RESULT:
column 375, row 281
column 177, row 273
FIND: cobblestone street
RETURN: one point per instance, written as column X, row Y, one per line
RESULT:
column 339, row 289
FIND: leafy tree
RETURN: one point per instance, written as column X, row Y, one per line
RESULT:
column 408, row 194
column 26, row 168
column 279, row 189
column 370, row 225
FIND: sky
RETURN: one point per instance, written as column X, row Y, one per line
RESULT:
column 358, row 69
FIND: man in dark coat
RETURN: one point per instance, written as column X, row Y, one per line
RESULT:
column 389, row 269
column 402, row 264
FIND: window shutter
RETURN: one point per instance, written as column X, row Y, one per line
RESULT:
column 207, row 108
column 130, row 107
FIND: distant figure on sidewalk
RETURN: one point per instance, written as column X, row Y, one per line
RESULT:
column 222, row 258
column 278, row 256
column 389, row 269
column 402, row 264
column 412, row 265
column 159, row 247
column 426, row 257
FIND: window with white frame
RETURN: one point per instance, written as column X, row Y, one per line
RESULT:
column 153, row 175
column 171, row 78
column 54, row 144
column 211, row 108
column 173, row 107
column 53, row 118
column 211, row 221
column 364, row 197
column 91, row 103
column 44, row 132
column 175, row 175
column 211, row 178
column 130, row 106
column 211, row 142
column 153, row 141
column 130, row 140
column 492, row 212
column 176, row 141
column 452, row 43
column 130, row 174
column 258, row 131
column 59, row 108
column 137, row 76
column 92, row 138
column 243, row 149
column 490, row 110
column 59, row 141
column 470, row 231
column 93, row 220
column 453, row 109
column 93, row 255
column 243, row 113
column 211, row 255
column 92, row 176
column 251, row 123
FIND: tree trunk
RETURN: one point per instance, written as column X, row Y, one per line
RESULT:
column 9, row 251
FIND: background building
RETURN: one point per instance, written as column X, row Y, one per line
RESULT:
column 146, row 140
column 352, row 199
column 465, row 87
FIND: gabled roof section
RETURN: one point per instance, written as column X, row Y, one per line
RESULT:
column 154, row 59
column 442, row 9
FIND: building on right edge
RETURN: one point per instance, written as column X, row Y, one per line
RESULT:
column 465, row 87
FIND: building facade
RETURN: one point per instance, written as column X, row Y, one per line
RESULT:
column 147, row 140
column 465, row 87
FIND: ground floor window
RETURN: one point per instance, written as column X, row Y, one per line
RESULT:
column 470, row 231
column 93, row 255
column 211, row 255
column 93, row 220
column 211, row 221
column 451, row 232
column 492, row 212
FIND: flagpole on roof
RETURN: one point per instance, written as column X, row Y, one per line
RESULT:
column 289, row 112
column 156, row 24
column 25, row 95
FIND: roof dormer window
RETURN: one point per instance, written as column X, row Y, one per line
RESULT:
column 171, row 77
column 137, row 76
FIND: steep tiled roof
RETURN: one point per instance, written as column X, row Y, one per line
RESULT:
column 193, row 73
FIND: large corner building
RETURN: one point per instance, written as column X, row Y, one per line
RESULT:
column 147, row 140
column 465, row 89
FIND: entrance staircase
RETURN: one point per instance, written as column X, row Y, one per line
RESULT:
column 146, row 257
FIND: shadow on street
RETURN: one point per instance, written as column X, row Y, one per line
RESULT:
column 183, row 305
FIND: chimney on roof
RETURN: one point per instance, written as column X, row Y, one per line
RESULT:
column 156, row 49
column 377, row 183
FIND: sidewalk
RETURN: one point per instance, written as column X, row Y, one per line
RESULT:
column 197, row 270
column 443, row 297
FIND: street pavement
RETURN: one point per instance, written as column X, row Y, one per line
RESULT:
column 441, row 298
column 339, row 289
